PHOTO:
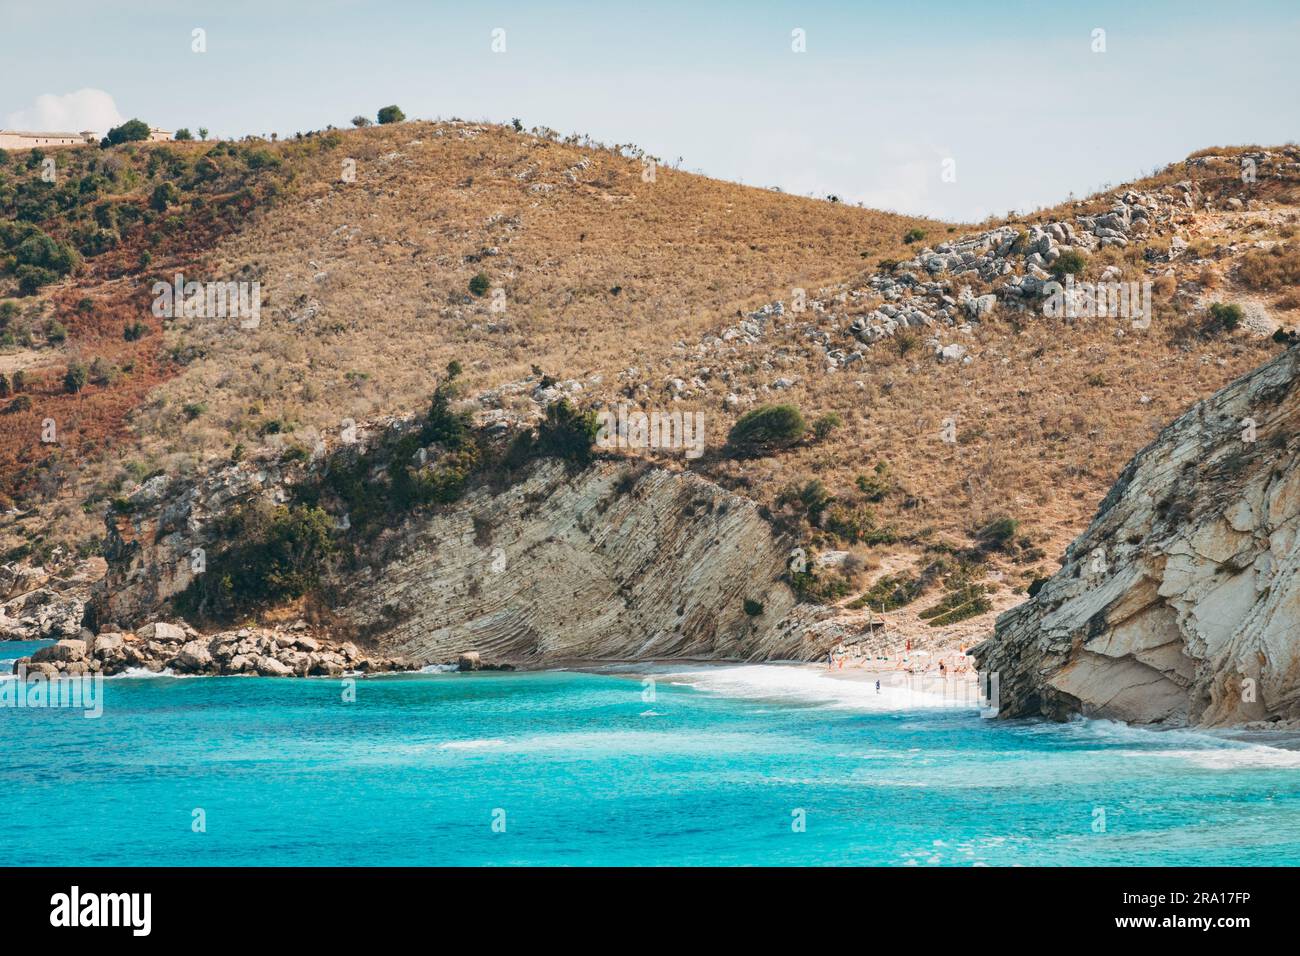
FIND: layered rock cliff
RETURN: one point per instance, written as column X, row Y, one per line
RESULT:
column 618, row 560
column 1180, row 604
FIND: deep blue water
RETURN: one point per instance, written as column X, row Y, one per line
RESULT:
column 586, row 771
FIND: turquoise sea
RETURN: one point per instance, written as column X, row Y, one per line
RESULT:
column 744, row 765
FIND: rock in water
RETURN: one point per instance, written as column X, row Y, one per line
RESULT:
column 1180, row 604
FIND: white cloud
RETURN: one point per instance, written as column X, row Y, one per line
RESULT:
column 70, row 113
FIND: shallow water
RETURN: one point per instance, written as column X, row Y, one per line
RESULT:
column 717, row 766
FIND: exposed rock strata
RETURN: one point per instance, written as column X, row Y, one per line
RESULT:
column 1180, row 604
column 617, row 561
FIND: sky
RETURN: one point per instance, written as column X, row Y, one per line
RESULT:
column 957, row 110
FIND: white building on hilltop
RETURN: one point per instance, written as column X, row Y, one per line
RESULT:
column 19, row 139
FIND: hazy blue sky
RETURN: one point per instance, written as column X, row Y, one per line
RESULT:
column 1012, row 91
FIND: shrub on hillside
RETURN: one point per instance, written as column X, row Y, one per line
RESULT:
column 390, row 114
column 164, row 195
column 479, row 285
column 567, row 433
column 1225, row 316
column 913, row 235
column 765, row 429
column 75, row 378
column 1070, row 262
column 876, row 486
column 826, row 424
column 276, row 554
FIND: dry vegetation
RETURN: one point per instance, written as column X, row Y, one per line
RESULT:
column 612, row 281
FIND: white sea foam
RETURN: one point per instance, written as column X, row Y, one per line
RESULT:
column 811, row 685
column 1209, row 749
column 472, row 744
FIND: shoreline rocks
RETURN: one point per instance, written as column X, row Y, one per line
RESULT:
column 180, row 649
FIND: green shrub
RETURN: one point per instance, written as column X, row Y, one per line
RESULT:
column 812, row 498
column 876, row 487
column 753, row 608
column 890, row 593
column 164, row 195
column 479, row 285
column 997, row 534
column 276, row 553
column 75, row 379
column 818, row 589
column 31, row 278
column 390, row 114
column 765, row 429
column 21, row 403
column 567, row 433
column 131, row 131
column 1226, row 316
column 913, row 235
column 183, row 135
column 826, row 424
column 1070, row 262
column 964, row 601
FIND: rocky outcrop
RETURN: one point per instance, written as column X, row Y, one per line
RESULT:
column 615, row 562
column 179, row 649
column 1180, row 604
column 619, row 560
column 45, row 603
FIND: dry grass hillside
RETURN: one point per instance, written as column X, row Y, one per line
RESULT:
column 587, row 267
column 552, row 268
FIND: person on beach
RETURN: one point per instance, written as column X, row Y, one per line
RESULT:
column 877, row 687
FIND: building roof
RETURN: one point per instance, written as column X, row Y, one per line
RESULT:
column 19, row 132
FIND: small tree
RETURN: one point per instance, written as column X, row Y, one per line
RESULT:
column 203, row 132
column 360, row 121
column 19, row 381
column 480, row 284
column 390, row 114
column 75, row 379
column 765, row 429
column 4, row 385
column 184, row 134
column 131, row 131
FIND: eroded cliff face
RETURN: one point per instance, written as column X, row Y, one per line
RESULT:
column 617, row 561
column 1181, row 602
